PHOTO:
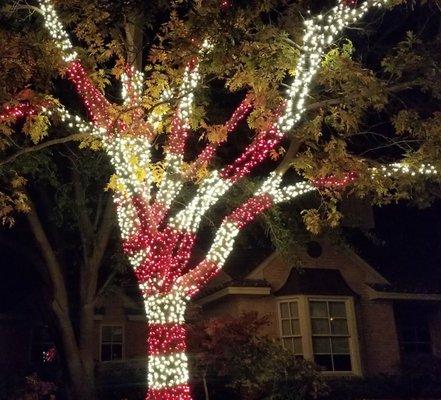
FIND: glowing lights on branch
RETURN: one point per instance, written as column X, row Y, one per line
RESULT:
column 397, row 169
column 132, row 82
column 50, row 355
column 335, row 182
column 207, row 194
column 12, row 113
column 167, row 370
column 172, row 181
column 56, row 30
column 253, row 155
column 223, row 243
column 155, row 117
column 95, row 102
column 168, row 308
column 320, row 31
column 180, row 392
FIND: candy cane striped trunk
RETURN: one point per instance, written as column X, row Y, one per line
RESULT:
column 167, row 361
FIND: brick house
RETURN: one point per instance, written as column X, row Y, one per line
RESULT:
column 336, row 310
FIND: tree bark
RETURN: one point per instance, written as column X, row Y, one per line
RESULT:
column 134, row 39
column 78, row 379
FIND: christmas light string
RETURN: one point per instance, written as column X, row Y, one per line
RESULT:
column 207, row 154
column 159, row 250
column 172, row 181
column 12, row 113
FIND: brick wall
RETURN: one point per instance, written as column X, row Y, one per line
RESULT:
column 379, row 342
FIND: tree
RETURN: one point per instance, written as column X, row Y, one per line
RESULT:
column 159, row 225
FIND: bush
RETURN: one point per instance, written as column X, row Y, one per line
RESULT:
column 32, row 387
column 252, row 365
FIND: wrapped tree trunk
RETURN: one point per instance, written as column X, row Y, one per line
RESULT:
column 167, row 360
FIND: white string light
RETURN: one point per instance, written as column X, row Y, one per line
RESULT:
column 56, row 31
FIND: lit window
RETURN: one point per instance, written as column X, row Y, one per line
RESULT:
column 330, row 335
column 290, row 326
column 111, row 343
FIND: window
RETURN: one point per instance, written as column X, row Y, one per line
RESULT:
column 290, row 326
column 111, row 342
column 330, row 335
column 413, row 329
column 415, row 340
column 322, row 329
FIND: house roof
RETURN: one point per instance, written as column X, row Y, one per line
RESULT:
column 317, row 281
column 243, row 283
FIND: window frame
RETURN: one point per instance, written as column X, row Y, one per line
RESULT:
column 282, row 336
column 303, row 302
column 123, row 339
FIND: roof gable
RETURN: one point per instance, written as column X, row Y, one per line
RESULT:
column 353, row 268
column 318, row 281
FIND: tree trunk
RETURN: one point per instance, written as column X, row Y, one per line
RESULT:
column 167, row 362
column 204, row 382
column 88, row 287
column 79, row 382
column 87, row 343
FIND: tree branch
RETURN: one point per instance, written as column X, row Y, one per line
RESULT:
column 49, row 143
column 105, row 285
column 331, row 102
column 85, row 223
column 289, row 155
column 52, row 263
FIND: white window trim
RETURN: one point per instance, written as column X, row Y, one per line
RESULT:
column 122, row 344
column 279, row 315
column 306, row 330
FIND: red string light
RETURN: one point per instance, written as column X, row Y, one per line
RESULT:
column 246, row 212
column 166, row 338
column 253, row 155
column 12, row 113
column 335, row 182
column 181, row 392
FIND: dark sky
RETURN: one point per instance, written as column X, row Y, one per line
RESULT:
column 407, row 245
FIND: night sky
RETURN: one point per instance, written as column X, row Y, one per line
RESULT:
column 406, row 245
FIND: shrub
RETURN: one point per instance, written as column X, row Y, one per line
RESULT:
column 32, row 387
column 250, row 363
